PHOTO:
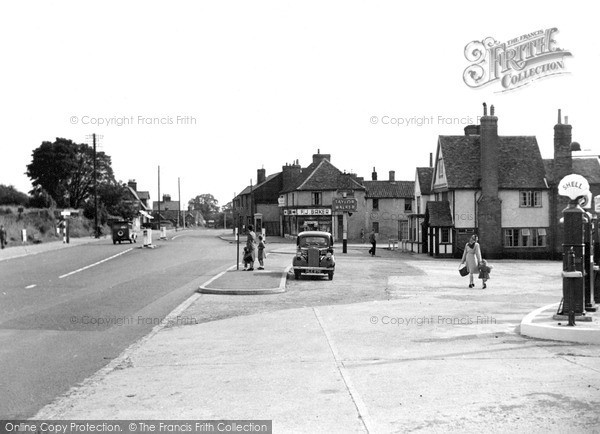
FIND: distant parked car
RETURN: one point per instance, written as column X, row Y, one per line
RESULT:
column 123, row 231
column 314, row 254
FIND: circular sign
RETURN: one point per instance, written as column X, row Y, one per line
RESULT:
column 573, row 186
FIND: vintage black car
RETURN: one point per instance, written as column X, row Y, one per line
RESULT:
column 123, row 231
column 314, row 254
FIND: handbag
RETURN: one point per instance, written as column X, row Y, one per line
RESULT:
column 462, row 269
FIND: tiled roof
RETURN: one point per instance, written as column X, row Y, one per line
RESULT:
column 589, row 168
column 172, row 205
column 424, row 174
column 254, row 187
column 390, row 189
column 519, row 158
column 325, row 176
column 438, row 214
column 143, row 195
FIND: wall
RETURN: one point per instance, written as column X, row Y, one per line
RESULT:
column 464, row 209
column 389, row 213
column 514, row 216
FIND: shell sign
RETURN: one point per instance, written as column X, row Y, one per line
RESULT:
column 573, row 186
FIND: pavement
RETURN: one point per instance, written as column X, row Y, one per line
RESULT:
column 424, row 353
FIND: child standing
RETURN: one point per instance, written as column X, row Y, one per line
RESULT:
column 484, row 271
column 261, row 252
column 247, row 258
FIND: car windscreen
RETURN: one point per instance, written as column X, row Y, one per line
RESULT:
column 314, row 242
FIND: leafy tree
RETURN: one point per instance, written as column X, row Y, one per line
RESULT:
column 113, row 201
column 65, row 171
column 206, row 204
column 9, row 195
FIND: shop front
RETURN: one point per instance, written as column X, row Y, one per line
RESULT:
column 296, row 220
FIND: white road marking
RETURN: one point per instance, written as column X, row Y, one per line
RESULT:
column 30, row 286
column 96, row 263
column 363, row 412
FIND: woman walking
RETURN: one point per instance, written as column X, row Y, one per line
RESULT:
column 472, row 257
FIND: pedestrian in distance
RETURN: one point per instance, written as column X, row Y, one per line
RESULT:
column 373, row 241
column 251, row 245
column 472, row 257
column 362, row 235
column 484, row 271
column 3, row 238
column 261, row 252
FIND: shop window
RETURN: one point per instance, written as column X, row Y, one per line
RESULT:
column 525, row 237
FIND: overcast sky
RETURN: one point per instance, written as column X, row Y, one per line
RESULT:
column 264, row 83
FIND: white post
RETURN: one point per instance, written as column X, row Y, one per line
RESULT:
column 24, row 235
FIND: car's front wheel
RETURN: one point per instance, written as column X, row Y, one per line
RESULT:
column 330, row 274
column 297, row 274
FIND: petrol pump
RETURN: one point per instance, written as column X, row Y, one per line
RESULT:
column 578, row 256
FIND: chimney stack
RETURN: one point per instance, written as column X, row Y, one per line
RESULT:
column 260, row 176
column 431, row 159
column 489, row 206
column 132, row 184
column 563, row 162
column 318, row 157
column 374, row 175
column 392, row 175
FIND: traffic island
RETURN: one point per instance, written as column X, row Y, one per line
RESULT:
column 542, row 325
column 235, row 281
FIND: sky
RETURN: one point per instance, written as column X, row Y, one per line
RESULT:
column 213, row 91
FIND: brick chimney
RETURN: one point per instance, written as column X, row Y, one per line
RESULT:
column 374, row 175
column 392, row 175
column 261, row 176
column 166, row 198
column 563, row 162
column 489, row 206
column 290, row 173
column 431, row 159
column 472, row 130
column 132, row 184
column 318, row 157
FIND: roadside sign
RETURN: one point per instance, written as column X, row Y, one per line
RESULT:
column 346, row 204
column 65, row 213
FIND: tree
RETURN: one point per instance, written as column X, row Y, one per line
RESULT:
column 65, row 170
column 113, row 201
column 9, row 195
column 206, row 204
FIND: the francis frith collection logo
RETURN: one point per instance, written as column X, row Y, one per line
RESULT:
column 514, row 63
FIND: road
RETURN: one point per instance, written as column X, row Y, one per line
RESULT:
column 66, row 314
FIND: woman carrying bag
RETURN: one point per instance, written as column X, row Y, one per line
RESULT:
column 472, row 257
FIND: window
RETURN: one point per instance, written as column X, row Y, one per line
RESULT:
column 376, row 227
column 317, row 198
column 403, row 230
column 525, row 237
column 440, row 168
column 407, row 205
column 530, row 198
column 511, row 237
column 376, row 204
column 445, row 235
column 418, row 204
column 539, row 239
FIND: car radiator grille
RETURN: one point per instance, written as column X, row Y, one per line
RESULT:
column 313, row 257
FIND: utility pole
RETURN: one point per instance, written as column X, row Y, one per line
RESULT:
column 159, row 198
column 179, row 206
column 96, row 228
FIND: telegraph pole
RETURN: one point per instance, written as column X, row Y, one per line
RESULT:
column 96, row 229
column 179, row 206
column 159, row 198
